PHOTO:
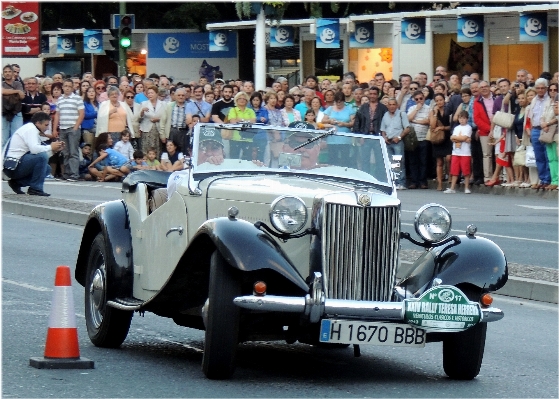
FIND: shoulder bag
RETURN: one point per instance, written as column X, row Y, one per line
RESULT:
column 549, row 136
column 10, row 163
column 503, row 119
column 410, row 139
column 437, row 137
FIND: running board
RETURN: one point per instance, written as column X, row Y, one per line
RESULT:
column 129, row 304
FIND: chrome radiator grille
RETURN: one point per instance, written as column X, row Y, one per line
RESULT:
column 360, row 249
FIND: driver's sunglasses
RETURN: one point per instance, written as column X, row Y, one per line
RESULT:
column 294, row 142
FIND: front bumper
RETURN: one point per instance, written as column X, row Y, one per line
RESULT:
column 315, row 306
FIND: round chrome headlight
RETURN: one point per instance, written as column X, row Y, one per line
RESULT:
column 288, row 214
column 433, row 222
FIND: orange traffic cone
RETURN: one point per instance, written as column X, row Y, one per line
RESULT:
column 62, row 350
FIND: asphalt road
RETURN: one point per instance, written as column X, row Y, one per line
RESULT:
column 160, row 359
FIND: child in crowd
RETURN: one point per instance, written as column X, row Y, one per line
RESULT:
column 85, row 161
column 138, row 163
column 124, row 146
column 47, row 135
column 116, row 167
column 310, row 117
column 461, row 153
column 152, row 162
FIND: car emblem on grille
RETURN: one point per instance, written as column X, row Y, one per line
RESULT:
column 364, row 200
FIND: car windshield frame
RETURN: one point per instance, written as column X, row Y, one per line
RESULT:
column 355, row 176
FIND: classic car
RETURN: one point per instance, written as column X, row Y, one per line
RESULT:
column 288, row 234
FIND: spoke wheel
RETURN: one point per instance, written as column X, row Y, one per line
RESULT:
column 106, row 326
column 222, row 327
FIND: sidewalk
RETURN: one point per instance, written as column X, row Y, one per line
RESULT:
column 526, row 282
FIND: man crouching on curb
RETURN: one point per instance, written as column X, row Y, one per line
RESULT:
column 25, row 146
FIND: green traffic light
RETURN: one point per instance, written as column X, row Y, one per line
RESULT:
column 125, row 42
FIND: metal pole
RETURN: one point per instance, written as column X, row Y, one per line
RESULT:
column 260, row 52
column 121, row 51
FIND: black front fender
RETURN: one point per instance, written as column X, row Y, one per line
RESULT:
column 110, row 219
column 247, row 248
column 474, row 260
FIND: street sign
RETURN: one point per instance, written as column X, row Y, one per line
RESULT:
column 21, row 36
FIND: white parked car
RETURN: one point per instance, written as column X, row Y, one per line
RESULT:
column 285, row 234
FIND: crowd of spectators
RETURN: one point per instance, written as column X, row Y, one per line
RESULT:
column 119, row 124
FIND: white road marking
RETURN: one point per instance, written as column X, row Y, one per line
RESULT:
column 25, row 285
column 539, row 207
column 499, row 235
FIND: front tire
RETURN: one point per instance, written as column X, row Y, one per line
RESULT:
column 222, row 327
column 107, row 327
column 463, row 351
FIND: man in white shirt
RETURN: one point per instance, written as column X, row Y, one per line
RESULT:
column 33, row 156
column 418, row 116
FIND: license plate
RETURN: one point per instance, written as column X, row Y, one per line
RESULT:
column 371, row 333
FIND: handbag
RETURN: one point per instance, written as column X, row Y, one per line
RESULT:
column 503, row 119
column 530, row 157
column 519, row 156
column 10, row 163
column 410, row 139
column 549, row 136
column 437, row 137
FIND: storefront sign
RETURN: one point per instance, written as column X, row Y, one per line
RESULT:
column 442, row 308
column 21, row 34
column 363, row 37
column 413, row 31
column 282, row 37
column 188, row 45
column 533, row 27
column 470, row 29
column 93, row 41
column 327, row 33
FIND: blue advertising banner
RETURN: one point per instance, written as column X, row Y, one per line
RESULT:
column 45, row 49
column 219, row 40
column 93, row 41
column 187, row 45
column 470, row 29
column 284, row 36
column 66, row 44
column 413, row 31
column 327, row 33
column 363, row 37
column 533, row 27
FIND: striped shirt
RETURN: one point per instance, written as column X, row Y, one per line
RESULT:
column 67, row 108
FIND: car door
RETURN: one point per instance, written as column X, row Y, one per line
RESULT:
column 160, row 243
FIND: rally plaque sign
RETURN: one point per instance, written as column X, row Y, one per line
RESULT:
column 442, row 308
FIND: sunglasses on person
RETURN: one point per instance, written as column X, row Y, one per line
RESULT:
column 418, row 98
column 129, row 97
column 100, row 88
column 551, row 89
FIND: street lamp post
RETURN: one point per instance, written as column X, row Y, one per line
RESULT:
column 260, row 51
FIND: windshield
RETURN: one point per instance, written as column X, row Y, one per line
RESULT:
column 225, row 148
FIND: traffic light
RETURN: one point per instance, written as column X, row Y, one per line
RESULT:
column 114, row 54
column 125, row 34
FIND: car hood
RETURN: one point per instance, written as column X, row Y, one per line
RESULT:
column 265, row 189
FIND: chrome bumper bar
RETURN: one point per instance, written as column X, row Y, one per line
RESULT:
column 315, row 306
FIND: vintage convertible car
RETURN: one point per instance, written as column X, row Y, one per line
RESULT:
column 286, row 234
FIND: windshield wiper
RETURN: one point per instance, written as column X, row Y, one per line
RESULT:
column 327, row 133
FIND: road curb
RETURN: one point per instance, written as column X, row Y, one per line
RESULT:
column 516, row 286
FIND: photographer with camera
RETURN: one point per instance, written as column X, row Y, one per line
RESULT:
column 26, row 159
